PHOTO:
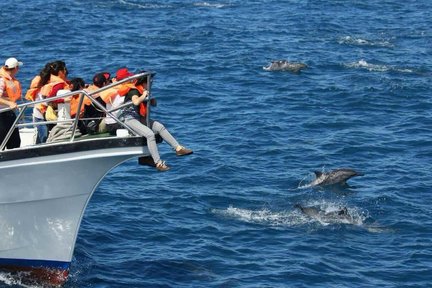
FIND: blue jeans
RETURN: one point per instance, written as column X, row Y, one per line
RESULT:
column 42, row 130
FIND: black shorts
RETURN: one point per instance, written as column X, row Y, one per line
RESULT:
column 6, row 121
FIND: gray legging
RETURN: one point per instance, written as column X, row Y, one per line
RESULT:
column 149, row 134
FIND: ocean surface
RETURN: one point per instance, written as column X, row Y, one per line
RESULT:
column 225, row 216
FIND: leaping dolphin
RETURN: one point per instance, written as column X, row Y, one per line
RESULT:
column 284, row 65
column 337, row 176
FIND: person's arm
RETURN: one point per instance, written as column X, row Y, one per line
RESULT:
column 11, row 104
column 138, row 99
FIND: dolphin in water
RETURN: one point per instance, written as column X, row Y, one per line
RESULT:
column 337, row 176
column 338, row 216
column 284, row 65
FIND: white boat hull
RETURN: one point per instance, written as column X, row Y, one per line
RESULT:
column 42, row 202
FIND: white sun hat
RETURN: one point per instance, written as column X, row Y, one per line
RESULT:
column 12, row 63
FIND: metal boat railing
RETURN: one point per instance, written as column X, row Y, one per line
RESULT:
column 74, row 121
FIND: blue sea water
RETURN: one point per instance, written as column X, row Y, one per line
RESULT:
column 224, row 216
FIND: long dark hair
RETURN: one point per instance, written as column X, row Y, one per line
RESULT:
column 51, row 68
column 144, row 79
column 77, row 84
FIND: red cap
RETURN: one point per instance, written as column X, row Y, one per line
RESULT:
column 123, row 73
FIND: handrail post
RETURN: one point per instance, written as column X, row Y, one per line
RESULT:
column 77, row 116
column 149, row 82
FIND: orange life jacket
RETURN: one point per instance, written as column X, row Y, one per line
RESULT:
column 143, row 105
column 33, row 90
column 74, row 105
column 46, row 90
column 121, row 90
column 86, row 101
column 90, row 89
column 13, row 87
column 109, row 95
column 54, row 80
column 125, row 88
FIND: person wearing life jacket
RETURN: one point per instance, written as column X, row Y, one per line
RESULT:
column 91, row 110
column 113, row 98
column 10, row 93
column 33, row 90
column 137, row 93
column 75, row 85
column 33, row 94
column 52, row 78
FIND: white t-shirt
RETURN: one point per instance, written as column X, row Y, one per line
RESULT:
column 118, row 100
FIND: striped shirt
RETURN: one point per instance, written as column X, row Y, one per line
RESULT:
column 2, row 87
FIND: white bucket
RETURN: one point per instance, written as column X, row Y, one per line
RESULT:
column 122, row 132
column 28, row 136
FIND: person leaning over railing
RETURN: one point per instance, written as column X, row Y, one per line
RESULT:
column 10, row 92
column 137, row 93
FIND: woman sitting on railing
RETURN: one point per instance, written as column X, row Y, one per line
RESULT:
column 10, row 92
column 137, row 93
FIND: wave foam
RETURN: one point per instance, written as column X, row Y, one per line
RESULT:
column 211, row 5
column 143, row 6
column 14, row 279
column 293, row 217
column 348, row 40
column 263, row 216
column 362, row 64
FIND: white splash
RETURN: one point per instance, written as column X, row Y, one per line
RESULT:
column 211, row 5
column 310, row 180
column 15, row 279
column 143, row 6
column 294, row 217
column 362, row 64
column 368, row 66
column 262, row 216
column 357, row 217
column 357, row 41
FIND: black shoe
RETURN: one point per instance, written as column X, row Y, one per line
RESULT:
column 147, row 161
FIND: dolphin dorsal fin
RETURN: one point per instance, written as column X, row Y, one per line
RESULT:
column 343, row 211
column 318, row 173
